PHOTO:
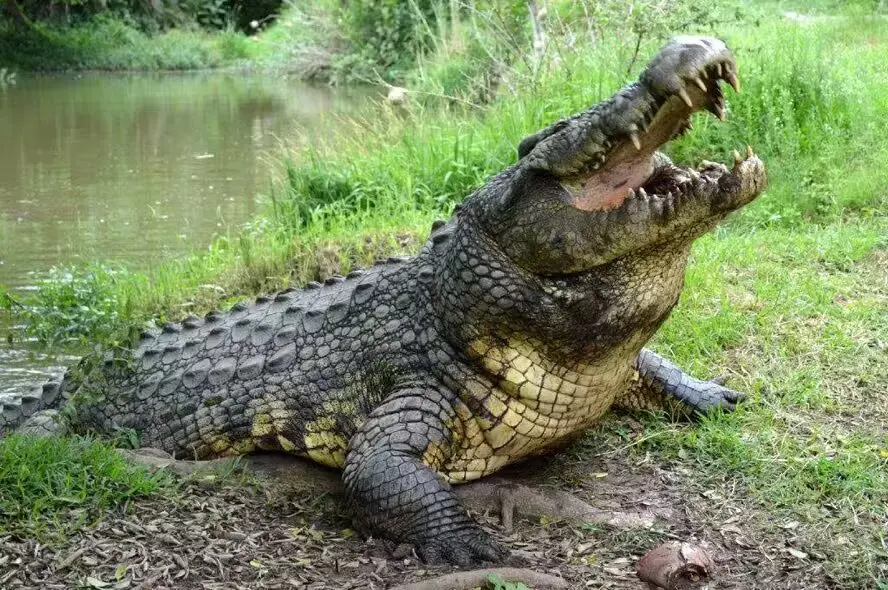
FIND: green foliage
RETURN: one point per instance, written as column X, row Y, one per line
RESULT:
column 110, row 44
column 833, row 7
column 387, row 30
column 804, row 106
column 153, row 16
column 232, row 46
column 386, row 38
column 76, row 305
column 127, row 35
column 647, row 19
column 50, row 487
column 468, row 55
column 6, row 300
column 421, row 174
column 495, row 582
column 209, row 14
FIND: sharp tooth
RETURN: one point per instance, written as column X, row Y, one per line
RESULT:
column 733, row 80
column 716, row 109
column 686, row 97
column 633, row 135
column 700, row 83
column 749, row 152
column 718, row 68
column 642, row 193
column 737, row 158
column 630, row 194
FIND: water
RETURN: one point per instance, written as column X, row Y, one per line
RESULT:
column 135, row 168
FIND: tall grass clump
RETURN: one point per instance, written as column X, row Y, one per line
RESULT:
column 808, row 102
column 51, row 487
column 428, row 168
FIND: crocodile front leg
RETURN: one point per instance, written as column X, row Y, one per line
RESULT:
column 393, row 488
column 661, row 385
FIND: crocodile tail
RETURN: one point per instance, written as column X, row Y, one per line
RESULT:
column 15, row 411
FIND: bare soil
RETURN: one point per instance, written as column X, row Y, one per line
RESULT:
column 285, row 527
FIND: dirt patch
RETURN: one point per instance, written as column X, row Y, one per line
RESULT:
column 290, row 532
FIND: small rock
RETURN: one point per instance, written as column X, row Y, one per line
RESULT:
column 675, row 566
column 396, row 95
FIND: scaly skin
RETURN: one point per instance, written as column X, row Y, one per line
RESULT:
column 520, row 323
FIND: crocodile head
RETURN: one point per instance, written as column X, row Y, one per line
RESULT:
column 592, row 188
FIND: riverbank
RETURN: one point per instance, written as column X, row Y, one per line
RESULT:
column 788, row 298
column 112, row 45
column 438, row 48
column 442, row 47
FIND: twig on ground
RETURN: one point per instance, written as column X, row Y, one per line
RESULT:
column 474, row 578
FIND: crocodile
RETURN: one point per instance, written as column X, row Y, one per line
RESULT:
column 520, row 322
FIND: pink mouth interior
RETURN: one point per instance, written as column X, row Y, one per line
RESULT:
column 628, row 167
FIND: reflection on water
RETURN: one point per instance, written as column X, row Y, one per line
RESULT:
column 135, row 168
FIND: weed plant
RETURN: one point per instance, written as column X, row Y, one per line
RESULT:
column 51, row 487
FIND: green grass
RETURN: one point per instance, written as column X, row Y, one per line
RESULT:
column 790, row 297
column 51, row 487
column 797, row 317
column 109, row 44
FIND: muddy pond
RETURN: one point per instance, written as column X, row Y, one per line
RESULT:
column 136, row 169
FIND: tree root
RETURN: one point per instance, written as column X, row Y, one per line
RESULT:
column 475, row 578
column 505, row 496
column 510, row 498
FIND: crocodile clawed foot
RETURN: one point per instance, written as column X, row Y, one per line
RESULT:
column 714, row 395
column 465, row 547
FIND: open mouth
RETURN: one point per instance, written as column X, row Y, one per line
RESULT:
column 630, row 168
